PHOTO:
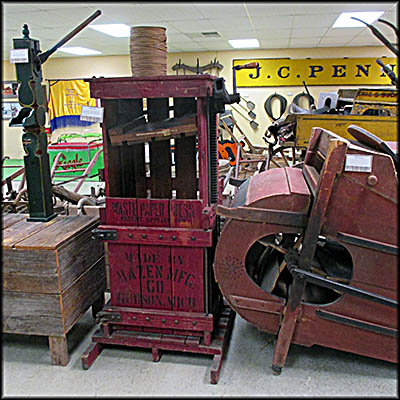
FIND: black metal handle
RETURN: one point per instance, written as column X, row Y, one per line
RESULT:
column 44, row 56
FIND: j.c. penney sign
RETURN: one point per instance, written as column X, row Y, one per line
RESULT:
column 322, row 71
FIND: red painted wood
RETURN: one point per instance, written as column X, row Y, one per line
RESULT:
column 188, row 279
column 102, row 215
column 156, row 277
column 167, row 237
column 153, row 212
column 212, row 346
column 156, row 354
column 161, row 236
column 124, row 275
column 121, row 211
column 151, row 87
column 186, row 213
column 187, row 321
column 90, row 355
column 344, row 337
column 208, row 217
column 296, row 181
column 285, row 336
column 203, row 149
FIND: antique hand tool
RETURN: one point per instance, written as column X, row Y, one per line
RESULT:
column 245, row 66
column 253, row 123
column 250, row 113
column 32, row 117
column 197, row 69
column 250, row 105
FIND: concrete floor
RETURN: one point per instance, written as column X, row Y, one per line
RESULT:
column 122, row 371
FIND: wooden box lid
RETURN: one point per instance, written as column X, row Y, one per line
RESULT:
column 21, row 234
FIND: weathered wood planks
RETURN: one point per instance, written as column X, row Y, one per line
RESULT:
column 52, row 273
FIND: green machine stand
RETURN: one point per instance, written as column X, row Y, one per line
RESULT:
column 32, row 118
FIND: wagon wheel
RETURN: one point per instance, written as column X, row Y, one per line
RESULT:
column 266, row 266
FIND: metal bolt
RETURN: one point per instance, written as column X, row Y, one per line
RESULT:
column 160, row 236
column 176, row 322
column 372, row 180
column 133, row 318
column 130, row 235
column 194, row 323
column 163, row 320
column 144, row 236
column 192, row 238
column 174, row 237
column 147, row 319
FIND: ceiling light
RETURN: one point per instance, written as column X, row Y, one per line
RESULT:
column 345, row 21
column 244, row 43
column 116, row 30
column 80, row 51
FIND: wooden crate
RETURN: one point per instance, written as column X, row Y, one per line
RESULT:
column 52, row 273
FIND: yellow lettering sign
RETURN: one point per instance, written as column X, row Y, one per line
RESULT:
column 322, row 72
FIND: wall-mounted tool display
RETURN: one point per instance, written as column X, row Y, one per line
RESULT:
column 252, row 123
column 198, row 69
column 250, row 113
column 268, row 105
column 310, row 99
column 249, row 104
column 370, row 108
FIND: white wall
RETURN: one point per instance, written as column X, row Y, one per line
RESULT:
column 116, row 66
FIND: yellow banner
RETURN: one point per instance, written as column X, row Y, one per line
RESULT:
column 66, row 101
column 320, row 71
